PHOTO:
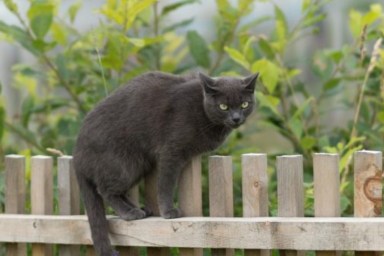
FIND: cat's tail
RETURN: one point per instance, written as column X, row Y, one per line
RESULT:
column 94, row 207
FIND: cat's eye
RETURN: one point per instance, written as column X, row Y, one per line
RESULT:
column 223, row 107
column 245, row 104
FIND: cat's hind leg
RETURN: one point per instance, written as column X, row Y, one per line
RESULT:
column 124, row 207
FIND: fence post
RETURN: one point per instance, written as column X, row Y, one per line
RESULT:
column 255, row 191
column 190, row 201
column 326, row 189
column 290, row 190
column 150, row 187
column 69, row 197
column 15, row 195
column 220, row 192
column 41, row 194
column 368, row 186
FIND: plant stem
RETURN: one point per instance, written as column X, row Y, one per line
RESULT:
column 156, row 33
column 49, row 63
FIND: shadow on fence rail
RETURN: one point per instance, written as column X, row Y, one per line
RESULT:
column 220, row 231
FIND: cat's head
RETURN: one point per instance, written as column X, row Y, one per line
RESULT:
column 227, row 100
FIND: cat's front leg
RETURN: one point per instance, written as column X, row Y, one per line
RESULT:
column 170, row 167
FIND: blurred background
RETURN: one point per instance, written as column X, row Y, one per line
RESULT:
column 321, row 65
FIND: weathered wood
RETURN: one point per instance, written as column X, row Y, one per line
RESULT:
column 255, row 191
column 220, row 192
column 150, row 187
column 290, row 189
column 358, row 234
column 41, row 194
column 326, row 188
column 368, row 186
column 69, row 197
column 15, row 195
column 190, row 197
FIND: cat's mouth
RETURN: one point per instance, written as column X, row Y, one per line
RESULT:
column 234, row 125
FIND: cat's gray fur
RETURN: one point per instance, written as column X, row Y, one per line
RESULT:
column 157, row 121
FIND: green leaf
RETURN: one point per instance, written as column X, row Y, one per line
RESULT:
column 296, row 126
column 281, row 24
column 305, row 5
column 238, row 57
column 374, row 13
column 73, row 10
column 268, row 101
column 11, row 6
column 177, row 25
column 136, row 9
column 269, row 73
column 331, row 84
column 303, row 107
column 198, row 48
column 308, row 142
column 40, row 15
column 26, row 108
column 355, row 22
column 311, row 20
column 266, row 48
column 171, row 7
column 19, row 36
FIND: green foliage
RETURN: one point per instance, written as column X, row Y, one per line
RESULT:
column 78, row 69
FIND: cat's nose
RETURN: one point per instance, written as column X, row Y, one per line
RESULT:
column 236, row 120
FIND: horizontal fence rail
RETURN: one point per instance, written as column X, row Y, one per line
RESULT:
column 290, row 232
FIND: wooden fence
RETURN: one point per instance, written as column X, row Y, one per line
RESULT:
column 256, row 233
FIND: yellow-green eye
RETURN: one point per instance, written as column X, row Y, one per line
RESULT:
column 223, row 107
column 245, row 104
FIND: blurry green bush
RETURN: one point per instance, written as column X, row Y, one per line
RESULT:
column 77, row 69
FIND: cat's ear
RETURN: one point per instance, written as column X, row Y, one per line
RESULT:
column 250, row 82
column 208, row 84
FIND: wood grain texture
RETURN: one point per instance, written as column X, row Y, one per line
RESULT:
column 220, row 192
column 255, row 191
column 290, row 189
column 190, row 197
column 368, row 187
column 69, row 197
column 15, row 195
column 295, row 233
column 41, row 194
column 326, row 189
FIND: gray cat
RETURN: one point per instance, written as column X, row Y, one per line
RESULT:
column 158, row 121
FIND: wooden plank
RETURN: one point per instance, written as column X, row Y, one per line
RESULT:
column 15, row 195
column 326, row 189
column 150, row 187
column 220, row 192
column 289, row 233
column 368, row 187
column 190, row 197
column 255, row 191
column 69, row 197
column 290, row 189
column 41, row 194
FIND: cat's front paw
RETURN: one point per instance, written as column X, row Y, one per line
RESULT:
column 171, row 213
